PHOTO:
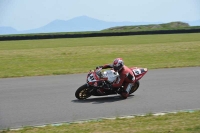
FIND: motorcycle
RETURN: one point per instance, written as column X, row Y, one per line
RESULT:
column 99, row 79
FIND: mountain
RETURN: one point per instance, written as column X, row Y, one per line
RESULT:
column 8, row 30
column 82, row 23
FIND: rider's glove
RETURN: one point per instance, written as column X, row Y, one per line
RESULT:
column 99, row 67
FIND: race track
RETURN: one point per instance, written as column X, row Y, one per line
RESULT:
column 50, row 99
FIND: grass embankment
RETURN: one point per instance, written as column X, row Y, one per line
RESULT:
column 182, row 122
column 66, row 56
column 152, row 27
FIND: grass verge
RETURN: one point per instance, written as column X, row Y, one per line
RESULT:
column 78, row 55
column 181, row 122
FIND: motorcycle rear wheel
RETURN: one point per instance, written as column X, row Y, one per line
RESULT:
column 82, row 92
column 135, row 87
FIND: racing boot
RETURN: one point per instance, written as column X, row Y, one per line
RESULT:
column 124, row 94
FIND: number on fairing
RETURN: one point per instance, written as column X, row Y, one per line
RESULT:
column 137, row 71
column 91, row 78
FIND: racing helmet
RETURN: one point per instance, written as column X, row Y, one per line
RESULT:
column 118, row 64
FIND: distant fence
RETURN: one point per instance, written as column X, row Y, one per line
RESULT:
column 93, row 34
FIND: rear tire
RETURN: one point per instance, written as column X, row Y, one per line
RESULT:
column 135, row 87
column 82, row 92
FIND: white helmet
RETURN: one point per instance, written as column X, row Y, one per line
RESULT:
column 118, row 64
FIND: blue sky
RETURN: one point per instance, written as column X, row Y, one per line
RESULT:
column 30, row 14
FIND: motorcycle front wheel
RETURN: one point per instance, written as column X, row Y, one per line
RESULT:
column 82, row 92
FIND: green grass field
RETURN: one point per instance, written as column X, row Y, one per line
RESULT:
column 66, row 56
column 182, row 122
column 78, row 55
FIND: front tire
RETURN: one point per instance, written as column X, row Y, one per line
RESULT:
column 82, row 92
column 135, row 87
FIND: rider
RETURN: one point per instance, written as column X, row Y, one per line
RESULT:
column 126, row 76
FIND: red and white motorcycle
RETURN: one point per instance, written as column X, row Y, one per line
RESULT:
column 99, row 79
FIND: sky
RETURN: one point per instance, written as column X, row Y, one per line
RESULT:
column 30, row 14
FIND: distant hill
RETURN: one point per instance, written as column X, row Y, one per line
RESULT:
column 8, row 30
column 165, row 26
column 82, row 23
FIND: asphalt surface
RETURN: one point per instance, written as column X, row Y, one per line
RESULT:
column 32, row 101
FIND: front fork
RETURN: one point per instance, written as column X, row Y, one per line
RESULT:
column 89, row 88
